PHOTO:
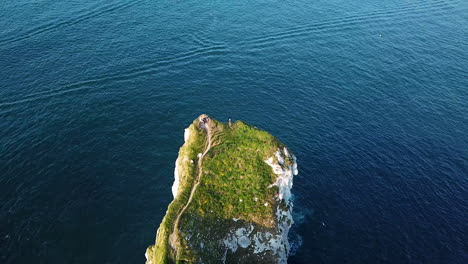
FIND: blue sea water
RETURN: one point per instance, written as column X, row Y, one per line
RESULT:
column 372, row 96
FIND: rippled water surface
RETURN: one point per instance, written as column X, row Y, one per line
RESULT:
column 372, row 96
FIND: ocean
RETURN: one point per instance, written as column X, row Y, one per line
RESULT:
column 372, row 97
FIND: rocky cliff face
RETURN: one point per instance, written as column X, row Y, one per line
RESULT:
column 265, row 245
column 232, row 198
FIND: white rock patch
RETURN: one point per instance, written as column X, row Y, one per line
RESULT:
column 186, row 134
column 265, row 242
column 279, row 243
column 243, row 241
column 285, row 173
column 175, row 185
column 239, row 238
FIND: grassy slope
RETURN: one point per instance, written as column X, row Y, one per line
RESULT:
column 233, row 170
column 160, row 252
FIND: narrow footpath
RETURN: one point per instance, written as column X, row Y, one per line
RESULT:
column 174, row 237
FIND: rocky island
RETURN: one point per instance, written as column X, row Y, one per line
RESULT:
column 232, row 193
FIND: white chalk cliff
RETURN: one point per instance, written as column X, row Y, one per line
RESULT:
column 277, row 242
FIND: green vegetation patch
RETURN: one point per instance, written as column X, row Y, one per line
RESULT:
column 235, row 176
column 234, row 189
column 187, row 163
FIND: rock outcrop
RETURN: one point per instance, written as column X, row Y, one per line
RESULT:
column 232, row 198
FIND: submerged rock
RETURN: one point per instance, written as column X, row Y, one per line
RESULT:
column 232, row 198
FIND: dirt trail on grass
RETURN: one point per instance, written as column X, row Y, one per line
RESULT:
column 175, row 230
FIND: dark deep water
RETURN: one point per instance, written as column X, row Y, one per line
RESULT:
column 371, row 95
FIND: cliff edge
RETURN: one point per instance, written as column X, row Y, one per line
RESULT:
column 232, row 192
